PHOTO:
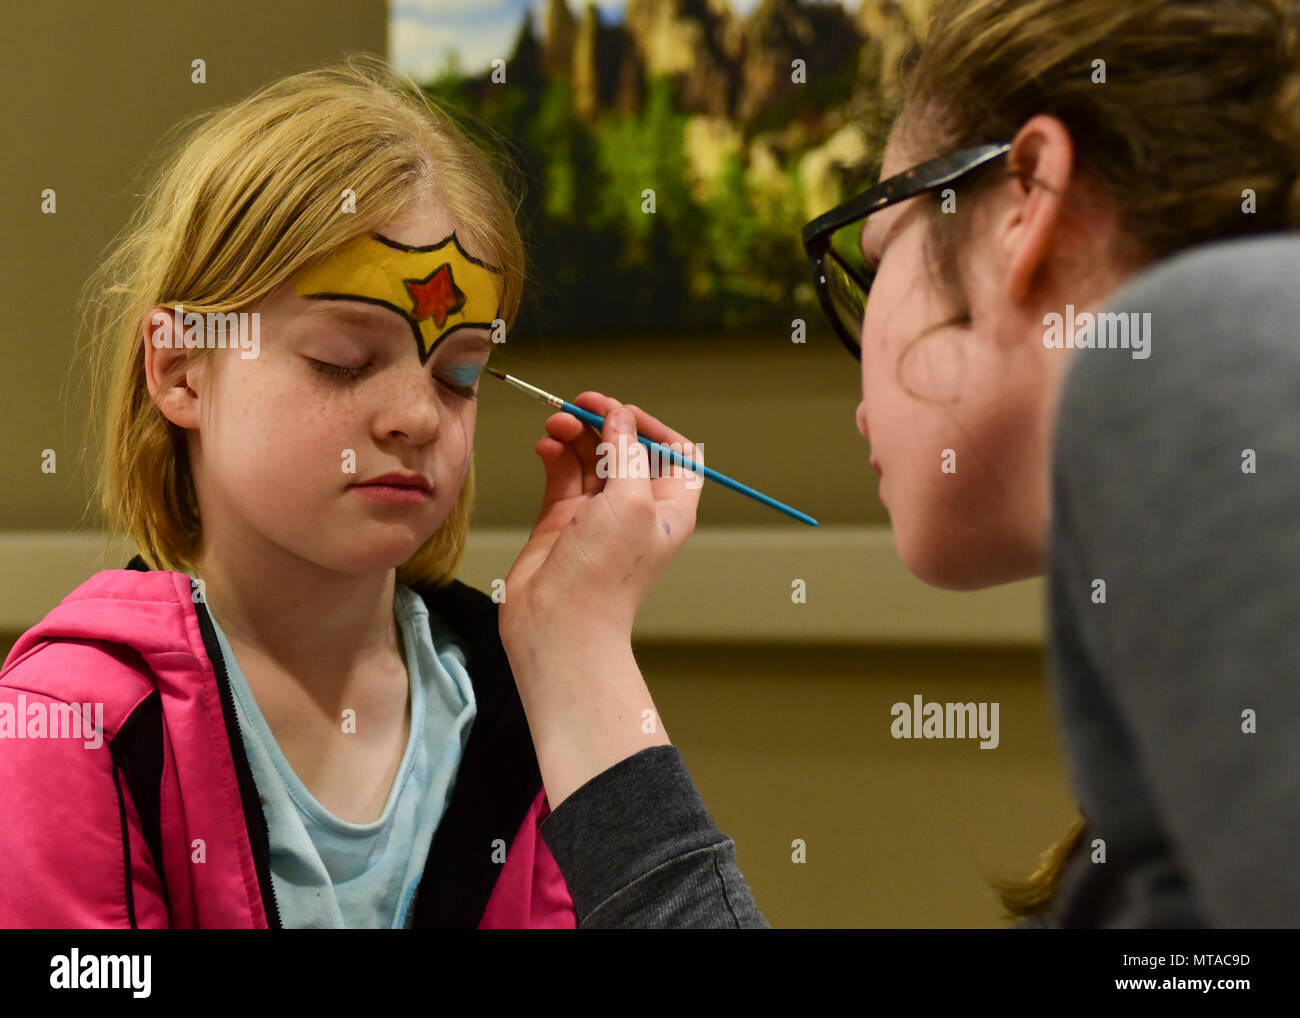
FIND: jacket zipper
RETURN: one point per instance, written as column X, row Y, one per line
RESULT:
column 260, row 834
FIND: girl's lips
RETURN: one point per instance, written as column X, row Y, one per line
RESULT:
column 393, row 494
column 876, row 467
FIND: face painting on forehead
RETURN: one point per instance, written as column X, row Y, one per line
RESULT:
column 438, row 289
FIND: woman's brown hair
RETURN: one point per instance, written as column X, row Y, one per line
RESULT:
column 1183, row 112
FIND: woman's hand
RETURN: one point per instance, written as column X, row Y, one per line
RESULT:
column 600, row 542
column 572, row 595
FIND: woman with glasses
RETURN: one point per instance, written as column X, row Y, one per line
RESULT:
column 1079, row 357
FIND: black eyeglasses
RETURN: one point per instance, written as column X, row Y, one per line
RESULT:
column 841, row 288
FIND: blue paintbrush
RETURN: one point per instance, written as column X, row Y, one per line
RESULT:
column 598, row 422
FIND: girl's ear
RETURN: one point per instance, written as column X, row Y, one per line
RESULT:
column 169, row 369
column 1043, row 156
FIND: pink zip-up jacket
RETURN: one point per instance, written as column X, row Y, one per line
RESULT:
column 140, row 810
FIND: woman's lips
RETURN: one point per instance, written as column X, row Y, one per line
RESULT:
column 393, row 494
column 876, row 467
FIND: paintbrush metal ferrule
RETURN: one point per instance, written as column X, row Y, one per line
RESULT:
column 532, row 390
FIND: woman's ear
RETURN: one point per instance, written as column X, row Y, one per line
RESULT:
column 164, row 356
column 1042, row 155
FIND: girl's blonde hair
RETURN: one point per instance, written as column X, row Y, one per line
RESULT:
column 248, row 196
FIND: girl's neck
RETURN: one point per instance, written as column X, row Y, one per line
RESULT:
column 332, row 629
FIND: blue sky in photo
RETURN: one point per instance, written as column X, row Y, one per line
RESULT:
column 420, row 32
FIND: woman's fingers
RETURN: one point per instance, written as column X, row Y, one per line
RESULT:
column 581, row 438
column 563, row 471
column 655, row 429
column 674, row 488
column 669, row 470
column 599, row 556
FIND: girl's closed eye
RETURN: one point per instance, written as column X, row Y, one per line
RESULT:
column 460, row 378
column 338, row 370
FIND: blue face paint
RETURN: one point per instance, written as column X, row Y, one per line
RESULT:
column 465, row 374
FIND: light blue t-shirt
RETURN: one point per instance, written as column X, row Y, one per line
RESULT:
column 331, row 874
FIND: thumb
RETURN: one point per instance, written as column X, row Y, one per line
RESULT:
column 628, row 463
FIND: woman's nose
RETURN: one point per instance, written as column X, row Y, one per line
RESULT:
column 861, row 416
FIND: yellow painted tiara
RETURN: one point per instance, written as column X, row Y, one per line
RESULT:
column 438, row 289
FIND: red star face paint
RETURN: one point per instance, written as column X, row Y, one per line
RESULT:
column 438, row 289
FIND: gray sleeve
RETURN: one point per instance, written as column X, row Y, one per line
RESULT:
column 1201, row 561
column 639, row 850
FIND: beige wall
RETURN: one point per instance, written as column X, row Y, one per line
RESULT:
column 787, row 739
column 90, row 90
column 793, row 742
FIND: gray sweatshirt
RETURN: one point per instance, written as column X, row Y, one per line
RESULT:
column 1176, row 483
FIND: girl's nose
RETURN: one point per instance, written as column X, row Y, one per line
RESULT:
column 861, row 416
column 413, row 408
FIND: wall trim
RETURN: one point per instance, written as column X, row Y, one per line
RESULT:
column 727, row 585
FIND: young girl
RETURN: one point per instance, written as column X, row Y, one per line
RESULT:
column 1052, row 159
column 300, row 718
